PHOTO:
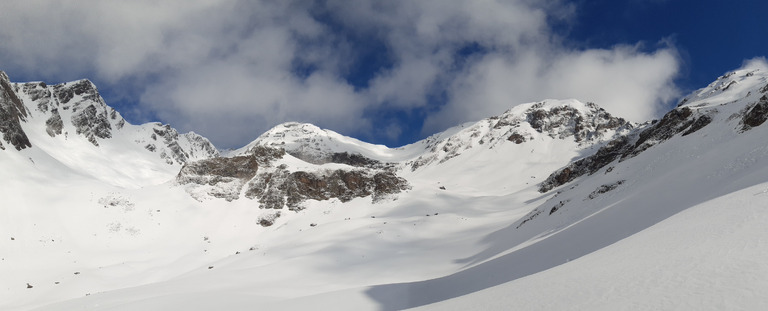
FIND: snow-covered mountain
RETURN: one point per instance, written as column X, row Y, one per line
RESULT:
column 551, row 205
column 71, row 126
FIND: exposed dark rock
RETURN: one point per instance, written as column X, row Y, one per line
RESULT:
column 672, row 123
column 269, row 189
column 729, row 85
column 680, row 120
column 242, row 167
column 65, row 92
column 557, row 206
column 280, row 187
column 585, row 124
column 92, row 124
column 516, row 138
column 529, row 217
column 605, row 188
column 268, row 220
column 173, row 150
column 228, row 175
column 54, row 124
column 12, row 113
column 756, row 115
column 171, row 139
column 352, row 159
column 605, row 155
column 266, row 154
column 564, row 121
column 698, row 124
column 38, row 92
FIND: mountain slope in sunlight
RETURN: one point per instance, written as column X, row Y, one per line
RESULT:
column 550, row 205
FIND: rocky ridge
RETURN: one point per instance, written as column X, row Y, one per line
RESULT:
column 745, row 90
column 77, row 108
column 584, row 123
column 264, row 176
column 12, row 113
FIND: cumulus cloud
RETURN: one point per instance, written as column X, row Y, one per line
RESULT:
column 232, row 69
column 624, row 81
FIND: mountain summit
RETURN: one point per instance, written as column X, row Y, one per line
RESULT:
column 507, row 212
column 70, row 124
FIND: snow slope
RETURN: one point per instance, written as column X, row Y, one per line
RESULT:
column 72, row 125
column 672, row 218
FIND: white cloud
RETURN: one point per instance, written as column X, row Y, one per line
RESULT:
column 624, row 81
column 253, row 64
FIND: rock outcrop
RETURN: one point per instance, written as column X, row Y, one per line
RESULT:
column 280, row 187
column 681, row 120
column 259, row 176
column 585, row 124
column 12, row 113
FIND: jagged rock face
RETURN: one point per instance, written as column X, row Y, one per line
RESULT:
column 54, row 124
column 742, row 93
column 276, row 187
column 225, row 177
column 170, row 138
column 279, row 187
column 91, row 123
column 757, row 114
column 174, row 147
column 65, row 93
column 353, row 159
column 584, row 123
column 76, row 107
column 679, row 120
column 12, row 113
column 567, row 121
column 227, row 174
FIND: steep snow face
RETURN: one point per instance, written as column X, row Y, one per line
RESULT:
column 70, row 124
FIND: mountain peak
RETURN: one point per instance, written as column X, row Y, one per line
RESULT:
column 732, row 86
column 584, row 124
column 71, row 124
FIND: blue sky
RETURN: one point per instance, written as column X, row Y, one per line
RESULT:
column 388, row 72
